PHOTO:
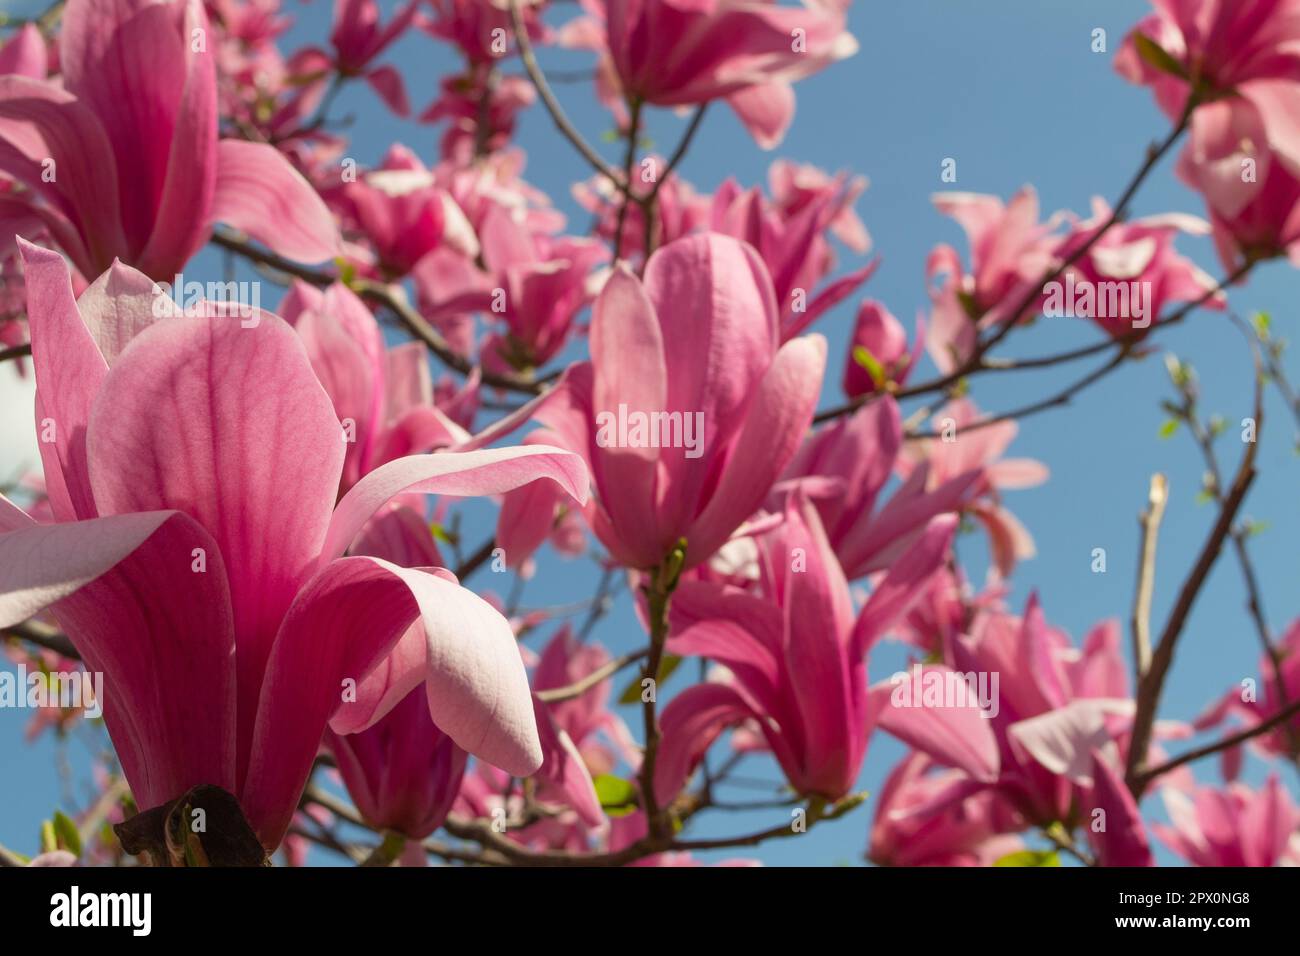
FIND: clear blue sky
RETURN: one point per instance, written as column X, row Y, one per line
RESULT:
column 1012, row 91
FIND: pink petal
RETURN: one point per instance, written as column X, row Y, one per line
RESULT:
column 904, row 585
column 387, row 83
column 229, row 425
column 954, row 735
column 69, row 374
column 689, row 725
column 178, row 231
column 41, row 563
column 24, row 53
column 766, row 111
column 463, row 474
column 341, row 626
column 779, row 416
column 259, row 193
column 169, row 674
column 118, row 306
column 1123, row 841
column 563, row 775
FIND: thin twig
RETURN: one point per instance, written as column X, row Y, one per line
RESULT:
column 558, row 117
column 1149, row 522
column 386, row 295
column 1283, row 715
column 555, row 695
column 1151, row 683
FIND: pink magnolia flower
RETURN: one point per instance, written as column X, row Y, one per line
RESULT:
column 404, row 215
column 907, row 831
column 1252, row 192
column 1220, row 49
column 1235, row 826
column 1010, row 251
column 845, row 467
column 403, row 773
column 544, row 281
column 889, row 359
column 358, row 40
column 796, row 657
column 195, row 464
column 684, row 52
column 797, row 186
column 1127, row 277
column 693, row 347
column 139, row 173
column 1062, row 714
column 962, row 450
column 790, row 237
column 1060, row 717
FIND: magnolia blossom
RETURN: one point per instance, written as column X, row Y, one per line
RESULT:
column 909, row 831
column 168, row 476
column 675, row 53
column 404, row 215
column 1010, row 251
column 879, row 354
column 1235, row 826
column 795, row 654
column 1129, row 275
column 696, row 341
column 131, row 137
column 1213, row 50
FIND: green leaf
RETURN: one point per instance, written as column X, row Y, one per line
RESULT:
column 862, row 355
column 632, row 693
column 1168, row 428
column 1030, row 858
column 1157, row 56
column 49, row 840
column 618, row 797
column 67, row 833
column 1261, row 321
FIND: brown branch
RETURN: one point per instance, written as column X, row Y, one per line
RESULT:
column 629, row 160
column 16, row 352
column 1151, row 683
column 558, row 117
column 977, row 362
column 555, row 695
column 42, row 635
column 388, row 296
column 477, row 559
column 1283, row 715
